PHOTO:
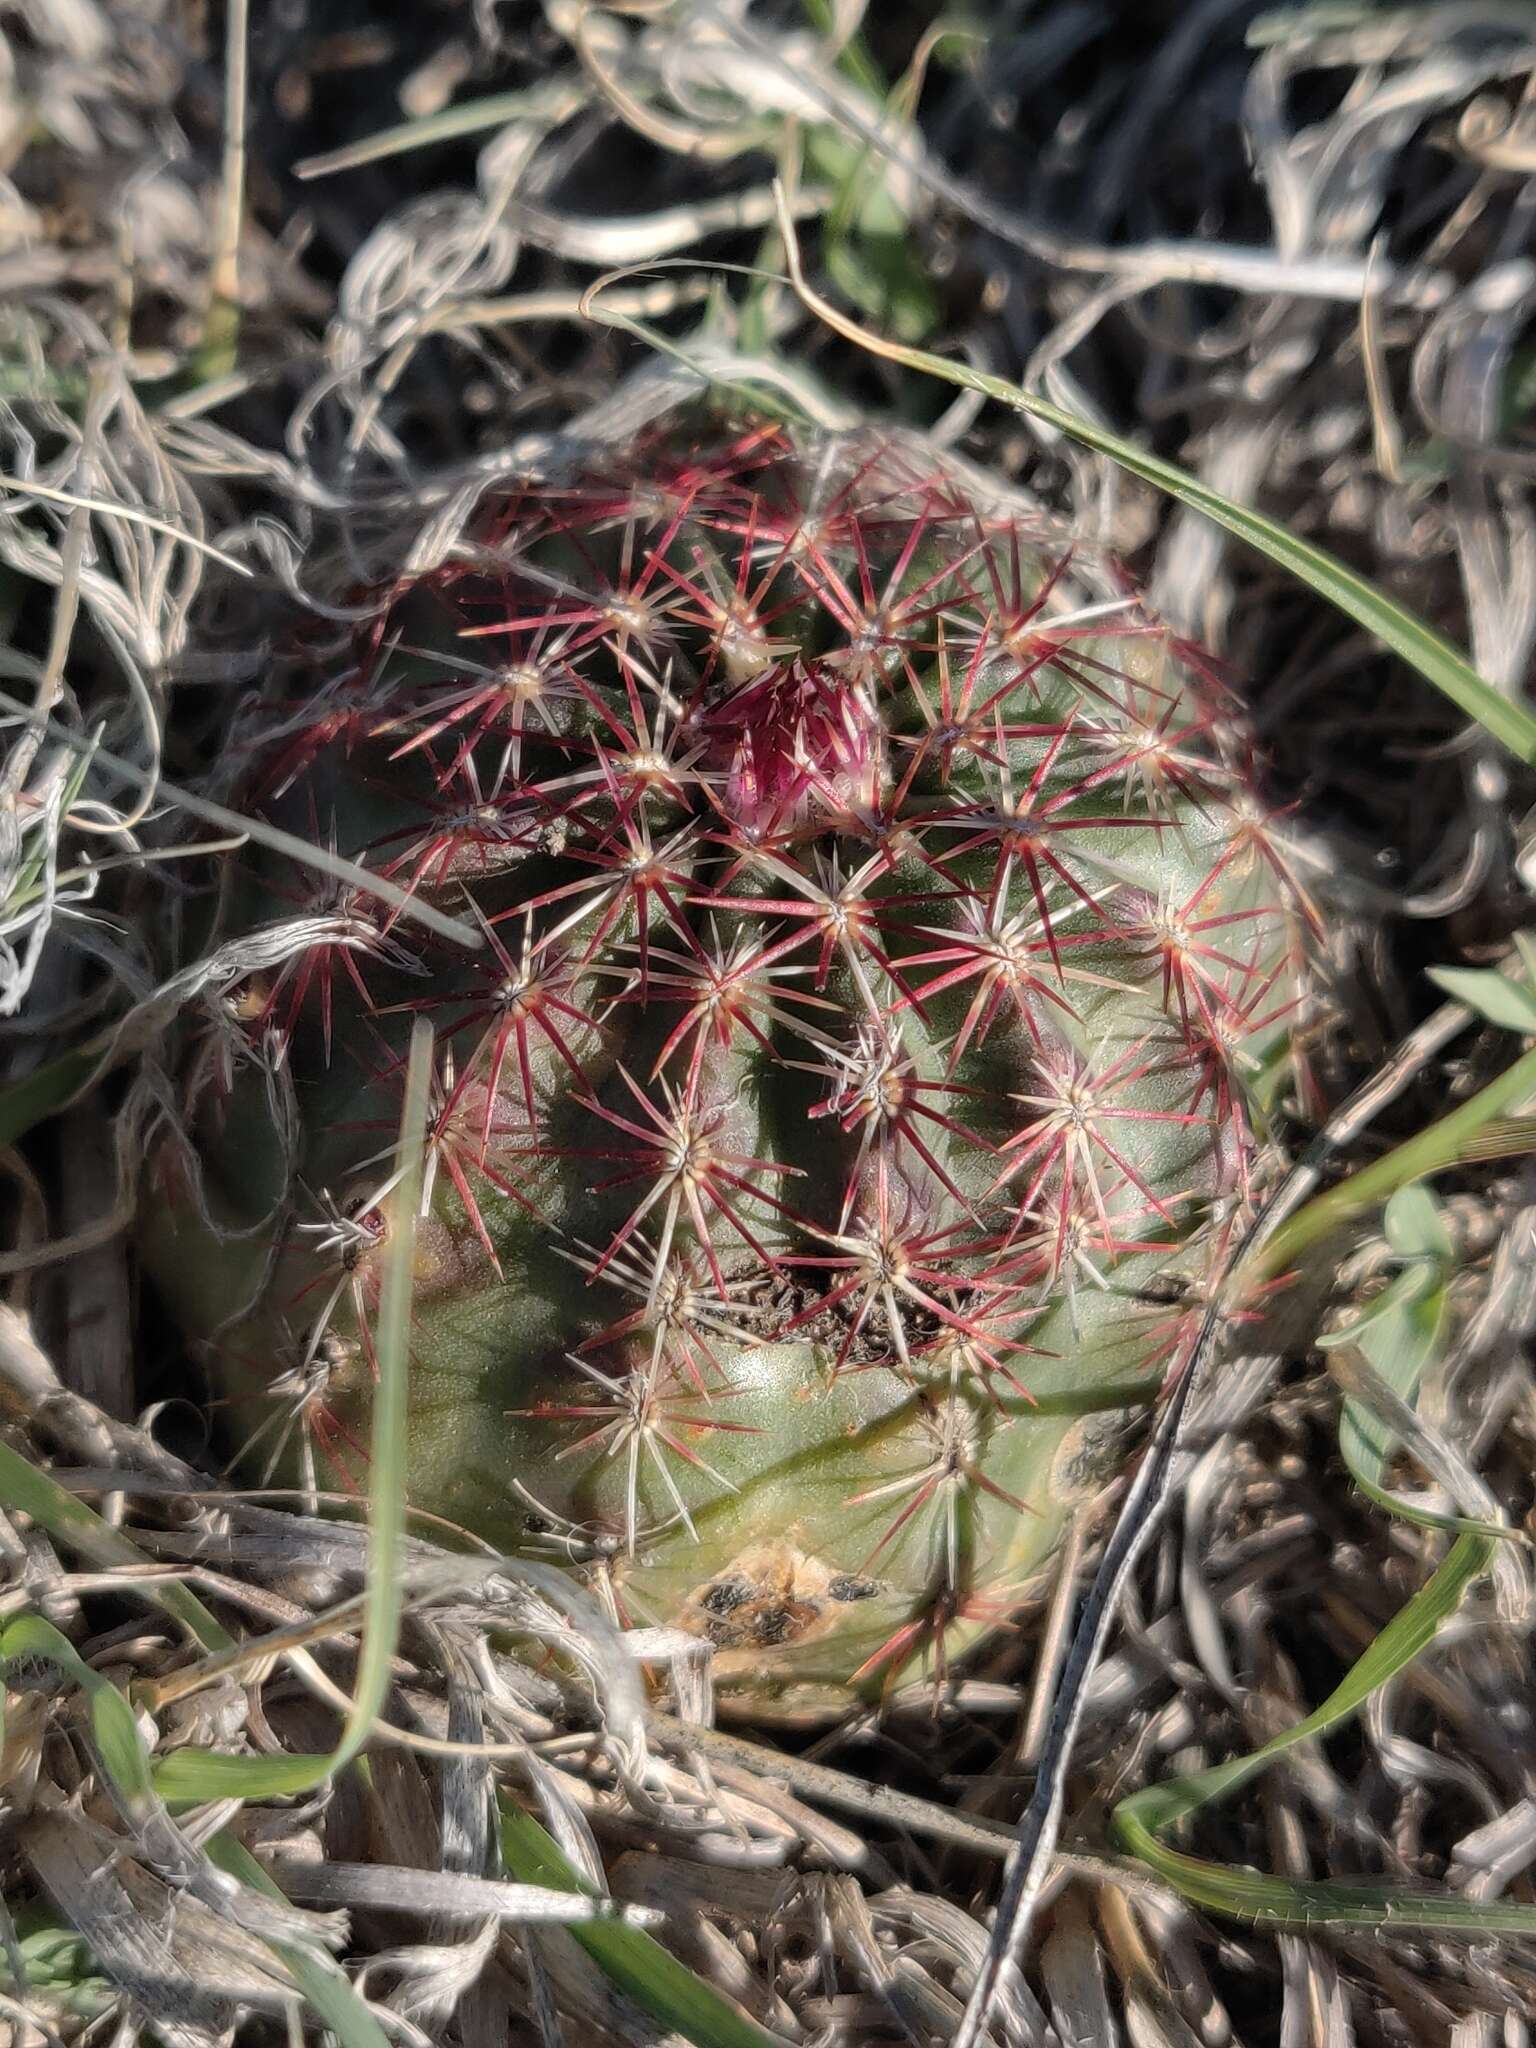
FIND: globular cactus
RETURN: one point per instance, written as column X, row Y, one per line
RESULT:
column 881, row 927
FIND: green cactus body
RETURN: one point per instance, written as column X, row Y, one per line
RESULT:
column 876, row 941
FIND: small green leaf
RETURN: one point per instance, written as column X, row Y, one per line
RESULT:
column 57, row 1964
column 866, row 238
column 878, row 272
column 1494, row 996
column 1415, row 1227
column 1401, row 1335
column 1393, row 1301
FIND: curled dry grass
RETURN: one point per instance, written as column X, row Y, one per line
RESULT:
column 1349, row 351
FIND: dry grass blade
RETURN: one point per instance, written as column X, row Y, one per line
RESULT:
column 404, row 902
column 132, row 515
column 446, row 1893
column 162, row 1961
column 216, row 357
column 1029, row 1864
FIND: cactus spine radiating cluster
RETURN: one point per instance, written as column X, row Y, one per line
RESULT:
column 831, row 1134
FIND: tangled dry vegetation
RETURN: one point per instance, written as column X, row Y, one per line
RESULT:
column 1292, row 249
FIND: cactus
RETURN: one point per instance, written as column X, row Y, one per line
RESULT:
column 851, row 1091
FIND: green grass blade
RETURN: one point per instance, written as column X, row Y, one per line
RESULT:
column 1409, row 1632
column 1249, row 1894
column 628, row 1956
column 1423, row 1518
column 192, row 1777
column 1387, row 621
column 215, row 356
column 324, row 1985
column 29, row 1639
column 1236, row 1893
column 187, row 1775
column 386, row 1467
column 26, row 1490
column 468, row 117
column 1452, row 1138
